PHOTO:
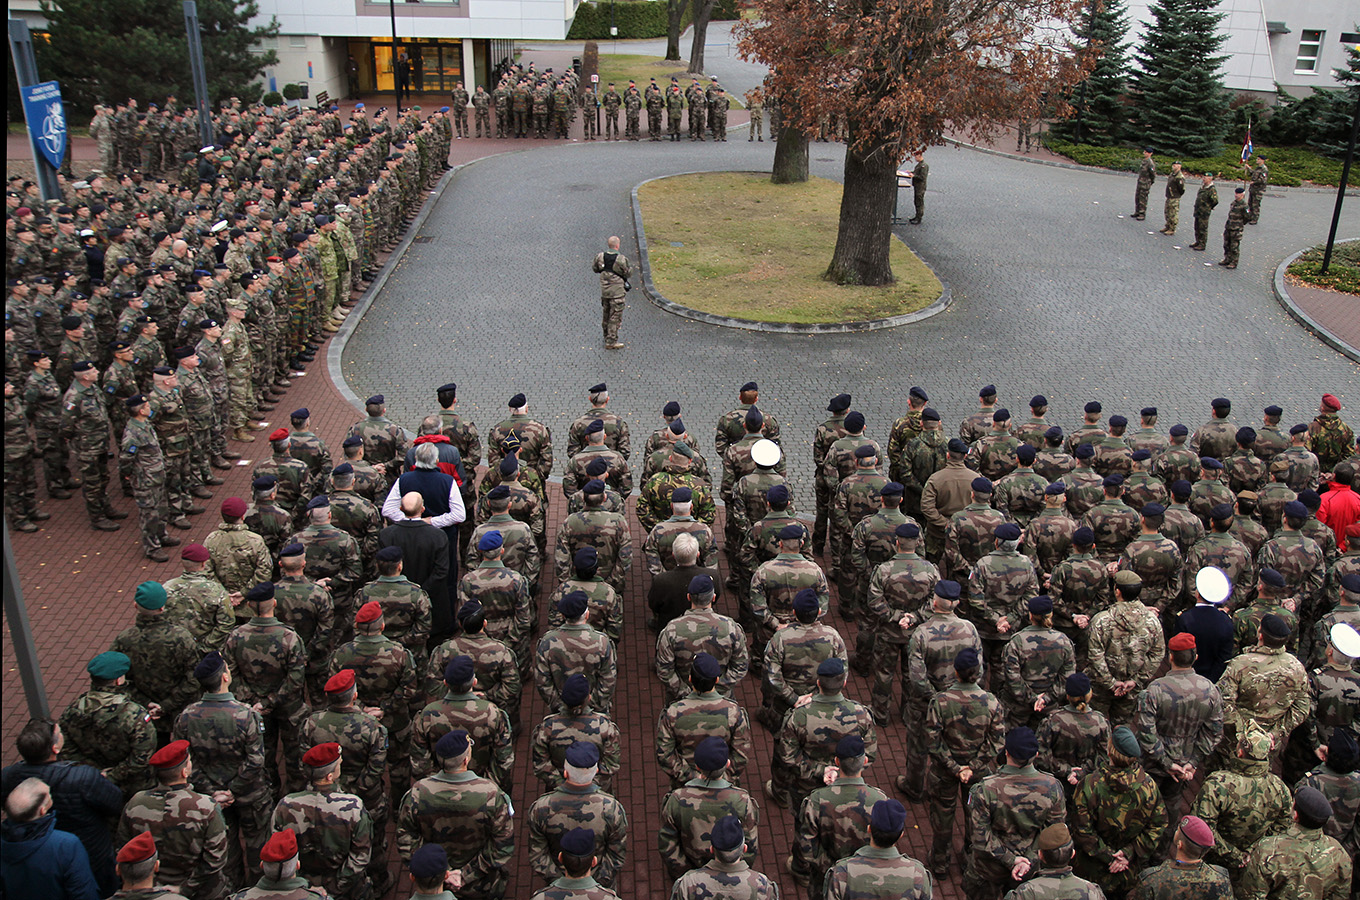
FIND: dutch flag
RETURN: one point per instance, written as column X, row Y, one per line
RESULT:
column 1246, row 145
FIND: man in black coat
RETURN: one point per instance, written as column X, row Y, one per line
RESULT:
column 669, row 594
column 425, row 560
column 1211, row 626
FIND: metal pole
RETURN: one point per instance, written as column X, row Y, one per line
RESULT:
column 1341, row 191
column 26, row 72
column 396, row 77
column 25, row 652
column 200, row 76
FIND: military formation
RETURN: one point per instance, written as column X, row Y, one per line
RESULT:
column 1244, row 210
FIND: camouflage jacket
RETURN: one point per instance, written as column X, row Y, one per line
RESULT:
column 1037, row 661
column 384, row 443
column 654, row 503
column 1085, row 488
column 237, row 557
column 307, row 608
column 793, row 655
column 191, row 837
column 226, row 738
column 931, row 650
column 294, row 480
column 1267, row 687
column 358, row 517
column 1056, row 884
column 163, row 656
column 618, row 476
column 833, row 429
column 1304, row 468
column 363, row 741
column 271, row 522
column 969, row 537
column 1158, row 562
column 1047, row 539
column 1072, row 738
column 683, row 726
column 761, row 542
column 1302, row 862
column 840, row 464
column 993, row 455
column 470, row 817
column 1206, row 494
column 463, row 434
column 873, row 540
column 657, row 548
column 334, row 836
column 1331, row 439
column 520, row 543
column 688, row 815
column 731, row 428
column 504, row 595
column 701, row 630
column 1216, row 438
column 1054, row 463
column 833, row 823
column 1245, row 471
column 493, row 749
column 903, row 584
column 775, row 583
column 1335, row 694
column 615, row 432
column 268, row 663
column 553, row 736
column 607, row 532
column 1020, row 495
column 874, row 872
column 1182, row 526
column 1114, row 523
column 571, row 650
column 1343, row 792
column 855, row 498
column 535, row 451
column 333, row 554
column 1142, row 488
column 1247, row 622
column 1079, row 586
column 384, row 675
column 554, row 814
column 998, row 588
column 1175, row 880
column 748, row 503
column 405, row 609
column 1116, row 810
column 806, row 744
column 1113, row 456
column 199, row 603
column 104, row 729
column 1009, row 809
column 1226, row 552
column 1125, row 644
column 1242, row 804
column 1180, row 720
column 605, row 609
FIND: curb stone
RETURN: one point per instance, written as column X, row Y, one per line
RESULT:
column 1281, row 291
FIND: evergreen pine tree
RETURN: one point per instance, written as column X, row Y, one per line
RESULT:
column 1181, row 101
column 112, row 50
column 1333, row 128
column 1100, row 114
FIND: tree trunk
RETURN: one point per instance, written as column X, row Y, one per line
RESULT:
column 790, row 155
column 675, row 12
column 703, row 11
column 865, row 231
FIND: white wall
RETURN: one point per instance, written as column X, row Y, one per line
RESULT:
column 327, row 56
column 515, row 19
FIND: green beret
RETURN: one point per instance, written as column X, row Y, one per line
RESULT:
column 109, row 665
column 150, row 595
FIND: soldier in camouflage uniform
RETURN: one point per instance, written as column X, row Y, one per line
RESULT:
column 21, row 505
column 1272, row 598
column 1007, row 811
column 807, row 740
column 1179, row 522
column 1304, row 467
column 1000, row 584
column 578, row 860
column 406, row 606
column 1272, row 497
column 1157, row 561
column 1047, row 538
column 1217, row 437
column 607, row 532
column 575, row 647
column 701, row 629
column 657, row 547
column 334, row 555
column 606, row 609
column 334, row 831
column 1141, row 487
column 1243, row 803
column 85, row 423
column 922, row 457
column 1266, row 688
column 198, row 602
column 833, row 821
column 189, row 829
column 1126, row 649
column 826, row 435
column 993, row 455
column 619, row 476
column 1244, row 470
column 493, row 753
column 42, row 402
column 1111, row 520
column 237, row 557
column 503, row 595
column 1118, row 817
column 1209, row 490
column 904, row 430
column 1020, row 494
column 1080, row 588
column 616, row 436
column 693, row 807
column 1220, row 549
column 265, row 517
column 731, row 425
column 1185, row 875
column 1052, row 461
column 385, row 678
column 873, row 541
column 140, row 447
column 1304, row 861
column 1085, row 486
column 855, row 498
column 162, row 657
column 1035, row 665
column 769, row 603
column 1073, row 740
column 106, row 729
column 878, row 870
column 226, row 739
column 353, row 513
column 1339, row 782
column 578, row 802
column 1331, row 439
column 1055, row 877
column 469, row 816
column 294, row 482
column 269, row 663
column 792, row 656
column 535, row 451
column 662, row 442
column 684, row 724
column 678, row 471
column 576, row 722
column 385, row 443
column 306, row 606
column 971, row 534
column 528, row 500
column 899, row 589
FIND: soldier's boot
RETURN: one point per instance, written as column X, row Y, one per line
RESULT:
column 168, row 541
column 102, row 524
column 777, row 798
column 221, row 460
column 111, row 513
column 243, row 434
column 201, row 491
column 909, row 786
column 800, row 875
column 23, row 525
column 158, row 555
column 181, row 523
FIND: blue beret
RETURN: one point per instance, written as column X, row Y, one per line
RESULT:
column 711, row 754
column 778, row 495
column 459, row 670
column 450, row 388
column 1295, row 509
column 260, row 592
column 509, row 465
column 1298, row 429
column 1351, row 582
column 1272, row 577
column 749, row 387
column 987, row 390
column 792, row 532
column 598, row 389
column 597, row 467
column 705, row 665
column 443, row 109
column 209, row 666
column 907, row 530
column 919, row 394
column 1148, row 411
column 849, row 747
column 670, row 409
column 677, row 426
column 582, row 755
column 1156, row 509
column 1220, row 403
column 499, row 492
column 453, row 744
column 1114, row 479
column 1001, row 415
column 574, row 604
column 965, row 659
column 1041, row 605
column 1084, row 536
column 352, row 441
column 839, row 403
column 982, row 485
column 854, row 420
column 1246, row 435
column 682, row 495
column 1007, row 531
column 727, row 833
column 929, row 415
column 1118, row 421
column 891, row 489
column 517, row 401
column 592, row 487
column 1025, row 453
column 490, row 540
column 469, row 609
column 1054, row 433
column 948, row 590
column 575, row 690
column 111, row 664
column 578, row 842
column 1085, row 451
column 1208, row 462
column 1273, row 411
column 429, row 862
column 1055, row 488
column 301, row 413
column 586, row 558
column 595, row 426
column 806, row 601
column 1038, row 400
column 1179, row 430
column 1141, row 454
column 318, row 502
column 754, row 418
column 831, row 667
column 375, row 400
column 1021, row 743
column 293, row 549
column 1078, row 684
column 1093, row 407
column 865, row 451
column 700, row 585
column 888, row 816
column 956, row 445
column 343, row 469
column 1180, row 488
column 1221, row 512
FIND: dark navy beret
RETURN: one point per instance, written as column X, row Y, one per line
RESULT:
column 1001, row 415
column 700, row 585
column 907, row 530
column 831, row 667
column 597, row 467
column 965, row 659
column 1295, row 509
column 459, row 670
column 711, row 754
column 982, row 485
column 1056, row 488
column 682, row 495
column 1021, row 743
column 517, row 401
column 987, row 390
column 748, row 387
column 1085, row 451
column 1078, row 684
column 929, row 415
column 1272, row 577
column 499, row 492
column 575, row 690
column 779, row 494
column 595, row 426
column 574, row 604
column 1038, row 400
column 854, row 420
column 919, row 394
column 957, row 446
column 949, row 590
column 578, row 842
column 1041, row 605
column 806, row 601
column 850, row 746
column 429, row 862
column 888, row 816
column 727, row 833
column 1084, row 536
column 583, row 755
column 705, row 665
column 1093, row 407
column 586, row 558
column 839, row 403
column 453, row 744
column 1007, row 531
column 671, row 408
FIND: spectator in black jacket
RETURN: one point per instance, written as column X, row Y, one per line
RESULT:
column 668, row 597
column 1211, row 626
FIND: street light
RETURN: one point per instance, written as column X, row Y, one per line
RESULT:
column 396, row 76
column 1346, row 38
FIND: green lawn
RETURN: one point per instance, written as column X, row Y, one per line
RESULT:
column 756, row 250
column 1289, row 166
column 1342, row 275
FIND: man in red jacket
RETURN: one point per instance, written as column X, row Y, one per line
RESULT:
column 1340, row 505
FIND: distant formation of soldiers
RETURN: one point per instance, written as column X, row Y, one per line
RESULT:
column 1108, row 642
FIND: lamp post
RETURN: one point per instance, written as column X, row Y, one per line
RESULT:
column 1346, row 38
column 396, row 75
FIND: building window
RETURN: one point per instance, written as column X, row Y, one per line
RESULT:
column 1310, row 48
column 297, row 40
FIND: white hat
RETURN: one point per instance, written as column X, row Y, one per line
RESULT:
column 765, row 452
column 1346, row 640
column 220, row 226
column 87, row 232
column 207, row 149
column 1213, row 585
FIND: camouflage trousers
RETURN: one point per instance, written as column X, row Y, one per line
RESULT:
column 297, row 325
column 217, row 432
column 1140, row 198
column 200, row 467
column 673, row 125
column 822, row 492
column 992, row 650
column 889, row 662
column 1201, row 231
column 1254, row 194
column 757, row 120
column 1232, row 240
column 399, row 729
column 482, row 120
column 864, row 657
column 1173, row 213
column 612, row 318
column 590, row 123
column 119, row 422
column 1080, row 643
column 94, row 482
column 106, row 157
column 934, row 544
column 242, row 397
column 52, row 449
column 540, row 124
column 942, row 794
column 281, row 730
column 178, row 480
column 379, row 810
column 502, row 123
column 21, row 488
column 460, row 121
column 248, row 823
column 986, row 879
column 148, row 491
column 654, row 124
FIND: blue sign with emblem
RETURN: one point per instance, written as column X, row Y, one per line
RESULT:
column 46, row 116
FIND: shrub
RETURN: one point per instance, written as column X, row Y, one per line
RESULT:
column 1289, row 166
column 635, row 19
column 272, row 98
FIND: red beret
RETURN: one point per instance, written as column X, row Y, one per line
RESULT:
column 369, row 612
column 171, row 755
column 1330, row 401
column 281, row 847
column 139, row 849
column 194, row 553
column 341, row 681
column 234, row 507
column 1197, row 831
column 321, row 755
column 280, row 434
column 1182, row 641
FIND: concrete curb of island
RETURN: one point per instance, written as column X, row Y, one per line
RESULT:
column 658, row 299
column 1281, row 290
column 1078, row 167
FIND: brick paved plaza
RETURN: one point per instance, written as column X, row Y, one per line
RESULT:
column 1055, row 291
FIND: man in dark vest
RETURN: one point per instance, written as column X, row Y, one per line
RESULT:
column 443, row 509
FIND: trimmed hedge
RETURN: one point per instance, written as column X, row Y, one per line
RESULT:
column 636, row 19
column 1289, row 166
